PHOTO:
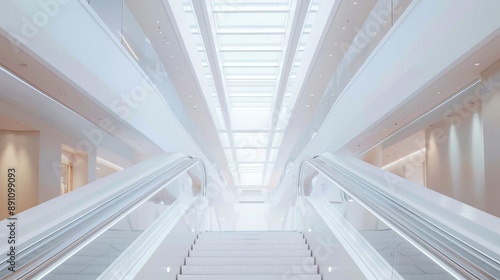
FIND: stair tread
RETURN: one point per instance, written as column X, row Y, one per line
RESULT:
column 249, row 261
column 251, row 241
column 247, row 277
column 255, row 253
column 245, row 269
column 220, row 247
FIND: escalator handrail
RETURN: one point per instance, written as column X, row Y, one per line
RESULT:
column 92, row 223
column 462, row 258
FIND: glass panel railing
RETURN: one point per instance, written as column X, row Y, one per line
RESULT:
column 82, row 248
column 378, row 23
column 404, row 239
column 121, row 22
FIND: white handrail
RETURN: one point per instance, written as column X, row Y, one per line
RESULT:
column 461, row 258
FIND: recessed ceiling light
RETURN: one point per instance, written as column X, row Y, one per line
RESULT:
column 167, row 43
column 190, row 95
column 176, row 68
column 374, row 33
column 172, row 56
column 195, row 107
column 343, row 27
column 355, row 3
column 320, row 76
column 477, row 63
column 160, row 31
column 369, row 139
column 182, row 78
column 312, row 94
column 307, row 106
column 438, row 92
column 23, row 64
column 63, row 94
column 330, row 55
column 335, row 43
column 401, row 119
column 157, row 21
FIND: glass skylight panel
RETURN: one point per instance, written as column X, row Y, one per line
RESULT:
column 251, row 99
column 251, row 167
column 251, row 119
column 250, row 40
column 251, row 155
column 251, row 90
column 251, row 179
column 251, row 77
column 238, row 20
column 251, row 140
column 250, row 104
column 251, row 71
column 251, row 56
column 257, row 5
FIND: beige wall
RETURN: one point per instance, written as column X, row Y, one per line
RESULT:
column 491, row 130
column 455, row 157
column 19, row 150
column 373, row 156
column 463, row 156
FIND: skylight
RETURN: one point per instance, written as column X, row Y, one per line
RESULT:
column 249, row 42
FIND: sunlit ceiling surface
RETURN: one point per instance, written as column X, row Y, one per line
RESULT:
column 250, row 41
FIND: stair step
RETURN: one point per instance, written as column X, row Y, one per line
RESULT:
column 243, row 237
column 251, row 241
column 220, row 247
column 269, row 253
column 250, row 233
column 245, row 270
column 247, row 277
column 250, row 261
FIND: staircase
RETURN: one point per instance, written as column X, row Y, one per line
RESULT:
column 245, row 255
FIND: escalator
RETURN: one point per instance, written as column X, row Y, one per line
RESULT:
column 104, row 229
column 152, row 221
column 394, row 229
